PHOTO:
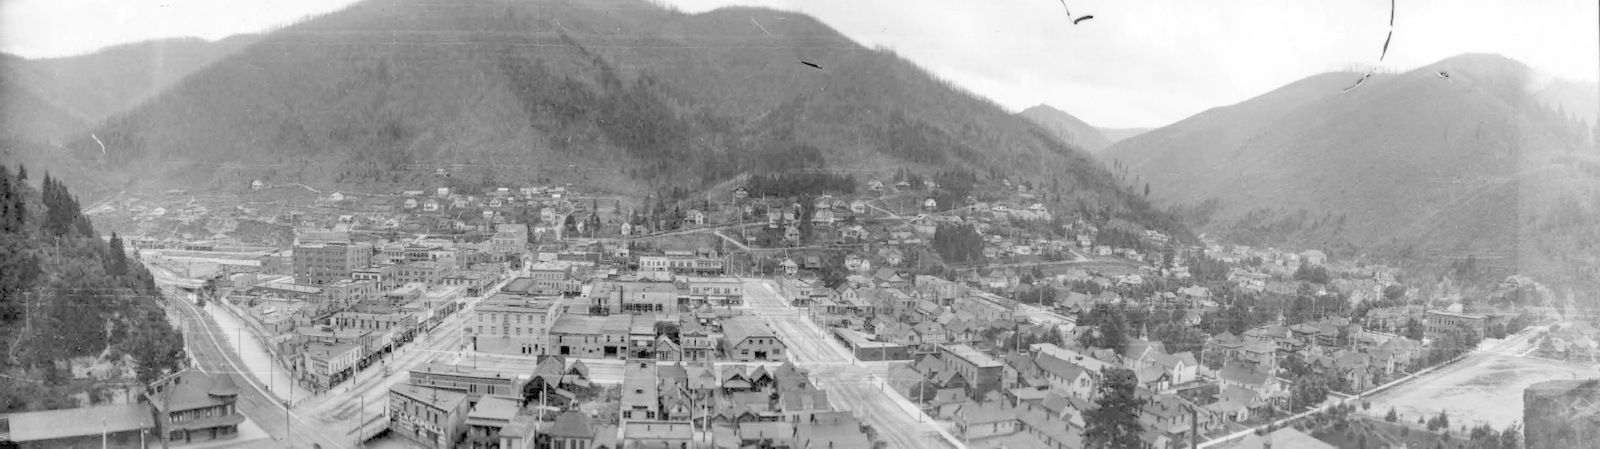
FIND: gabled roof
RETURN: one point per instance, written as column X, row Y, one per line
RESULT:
column 572, row 424
column 192, row 389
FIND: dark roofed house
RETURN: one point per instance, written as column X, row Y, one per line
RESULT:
column 123, row 426
column 571, row 430
column 195, row 406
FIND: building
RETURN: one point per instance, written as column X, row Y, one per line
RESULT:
column 193, row 406
column 718, row 291
column 330, row 363
column 981, row 371
column 475, row 383
column 429, row 273
column 633, row 297
column 748, row 339
column 591, row 336
column 510, row 238
column 322, row 263
column 487, row 420
column 513, row 324
column 682, row 264
column 430, row 417
column 125, row 426
column 1438, row 321
column 640, row 398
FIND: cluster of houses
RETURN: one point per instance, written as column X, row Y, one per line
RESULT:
column 661, row 404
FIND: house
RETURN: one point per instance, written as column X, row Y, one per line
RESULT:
column 981, row 371
column 858, row 206
column 694, row 217
column 573, row 430
column 488, row 419
column 1313, row 257
column 411, row 203
column 990, row 419
column 875, row 185
column 790, row 267
column 336, row 197
column 257, row 184
column 891, row 256
column 823, row 217
column 192, row 406
column 741, row 193
column 930, row 204
column 791, row 234
column 430, row 205
column 748, row 339
column 1063, row 375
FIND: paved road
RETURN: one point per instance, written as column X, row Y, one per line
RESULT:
column 851, row 385
column 212, row 354
column 329, row 420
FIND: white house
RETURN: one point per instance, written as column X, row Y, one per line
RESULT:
column 336, row 197
column 930, row 204
column 875, row 185
column 694, row 217
column 858, row 206
column 257, row 185
column 430, row 205
column 444, row 191
column 411, row 203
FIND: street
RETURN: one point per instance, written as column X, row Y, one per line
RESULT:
column 851, row 384
column 329, row 420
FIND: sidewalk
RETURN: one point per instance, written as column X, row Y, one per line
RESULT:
column 257, row 362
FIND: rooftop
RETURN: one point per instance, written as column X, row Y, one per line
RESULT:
column 436, row 397
column 74, row 422
column 972, row 356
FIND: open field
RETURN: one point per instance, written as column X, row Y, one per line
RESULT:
column 1485, row 388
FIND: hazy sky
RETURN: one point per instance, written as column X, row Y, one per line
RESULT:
column 1138, row 63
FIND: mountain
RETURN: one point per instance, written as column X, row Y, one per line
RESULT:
column 619, row 94
column 1411, row 166
column 1067, row 128
column 1115, row 135
column 53, row 99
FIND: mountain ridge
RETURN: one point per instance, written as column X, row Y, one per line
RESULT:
column 617, row 93
column 1069, row 129
column 1411, row 166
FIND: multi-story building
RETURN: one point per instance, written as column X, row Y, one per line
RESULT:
column 681, row 264
column 488, row 418
column 330, row 363
column 432, row 417
column 633, row 297
column 984, row 306
column 382, row 275
column 513, row 324
column 475, row 383
column 719, row 291
column 326, row 262
column 748, row 339
column 428, row 273
column 981, row 371
column 510, row 238
column 1439, row 321
column 192, row 406
column 591, row 336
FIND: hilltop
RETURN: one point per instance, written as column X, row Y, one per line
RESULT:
column 1115, row 135
column 615, row 93
column 1410, row 166
column 49, row 100
column 1065, row 127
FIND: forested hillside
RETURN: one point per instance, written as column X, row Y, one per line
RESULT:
column 1413, row 167
column 66, row 293
column 621, row 94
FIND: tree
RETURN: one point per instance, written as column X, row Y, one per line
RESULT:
column 1391, row 416
column 1394, row 292
column 1414, row 329
column 1308, row 391
column 1115, row 424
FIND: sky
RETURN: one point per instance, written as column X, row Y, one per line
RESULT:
column 1137, row 63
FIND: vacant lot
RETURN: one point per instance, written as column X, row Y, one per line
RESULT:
column 1486, row 388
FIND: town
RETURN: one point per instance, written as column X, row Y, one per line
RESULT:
column 922, row 311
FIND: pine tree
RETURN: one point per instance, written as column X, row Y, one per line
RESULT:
column 1115, row 424
column 119, row 258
